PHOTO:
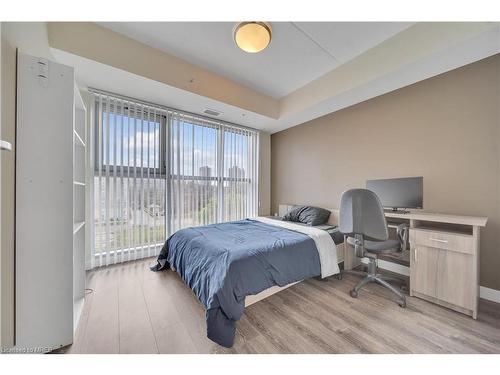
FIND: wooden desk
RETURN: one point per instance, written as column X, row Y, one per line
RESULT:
column 444, row 258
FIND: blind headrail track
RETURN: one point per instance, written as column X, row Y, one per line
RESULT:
column 168, row 109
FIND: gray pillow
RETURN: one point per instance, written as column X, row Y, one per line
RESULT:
column 308, row 215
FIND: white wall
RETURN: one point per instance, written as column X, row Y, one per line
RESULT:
column 30, row 38
column 265, row 174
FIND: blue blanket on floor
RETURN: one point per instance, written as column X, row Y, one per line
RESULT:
column 223, row 263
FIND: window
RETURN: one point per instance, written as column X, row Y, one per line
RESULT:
column 194, row 182
column 129, row 203
column 158, row 171
column 237, row 169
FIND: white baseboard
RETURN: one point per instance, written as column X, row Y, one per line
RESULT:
column 489, row 294
column 484, row 292
column 394, row 267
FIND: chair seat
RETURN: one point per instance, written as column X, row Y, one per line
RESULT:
column 380, row 247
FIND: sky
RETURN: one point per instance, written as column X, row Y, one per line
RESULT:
column 194, row 145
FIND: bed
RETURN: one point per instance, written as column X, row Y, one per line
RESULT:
column 231, row 265
column 340, row 249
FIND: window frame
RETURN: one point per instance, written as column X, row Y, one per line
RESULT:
column 126, row 169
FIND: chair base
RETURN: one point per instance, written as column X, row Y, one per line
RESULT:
column 372, row 277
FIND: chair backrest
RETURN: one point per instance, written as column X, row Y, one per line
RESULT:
column 361, row 212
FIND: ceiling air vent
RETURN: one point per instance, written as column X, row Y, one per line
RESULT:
column 212, row 112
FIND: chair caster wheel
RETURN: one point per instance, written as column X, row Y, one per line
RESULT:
column 353, row 293
column 402, row 304
column 338, row 276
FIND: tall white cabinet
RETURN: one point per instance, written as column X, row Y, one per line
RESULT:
column 50, row 204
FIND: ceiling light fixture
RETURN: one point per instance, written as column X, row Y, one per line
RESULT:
column 252, row 36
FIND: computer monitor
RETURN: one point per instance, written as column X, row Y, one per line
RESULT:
column 397, row 193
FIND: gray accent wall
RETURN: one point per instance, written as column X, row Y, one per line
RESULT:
column 445, row 129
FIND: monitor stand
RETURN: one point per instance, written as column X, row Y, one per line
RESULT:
column 395, row 210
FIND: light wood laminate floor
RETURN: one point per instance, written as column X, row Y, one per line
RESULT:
column 134, row 310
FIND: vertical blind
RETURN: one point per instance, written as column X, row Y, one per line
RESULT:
column 157, row 171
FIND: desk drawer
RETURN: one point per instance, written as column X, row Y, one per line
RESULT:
column 461, row 243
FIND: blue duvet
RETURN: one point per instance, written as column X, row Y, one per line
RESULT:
column 223, row 263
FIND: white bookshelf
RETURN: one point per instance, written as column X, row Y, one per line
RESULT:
column 50, row 204
column 79, row 219
column 48, row 276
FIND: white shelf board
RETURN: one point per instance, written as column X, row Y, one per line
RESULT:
column 78, row 99
column 79, row 183
column 78, row 226
column 78, row 140
column 77, row 311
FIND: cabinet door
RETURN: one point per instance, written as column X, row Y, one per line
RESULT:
column 424, row 270
column 455, row 282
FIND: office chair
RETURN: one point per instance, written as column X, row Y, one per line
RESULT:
column 362, row 220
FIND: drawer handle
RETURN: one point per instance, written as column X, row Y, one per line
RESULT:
column 438, row 240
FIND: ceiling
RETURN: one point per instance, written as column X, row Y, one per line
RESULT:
column 299, row 52
column 308, row 71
